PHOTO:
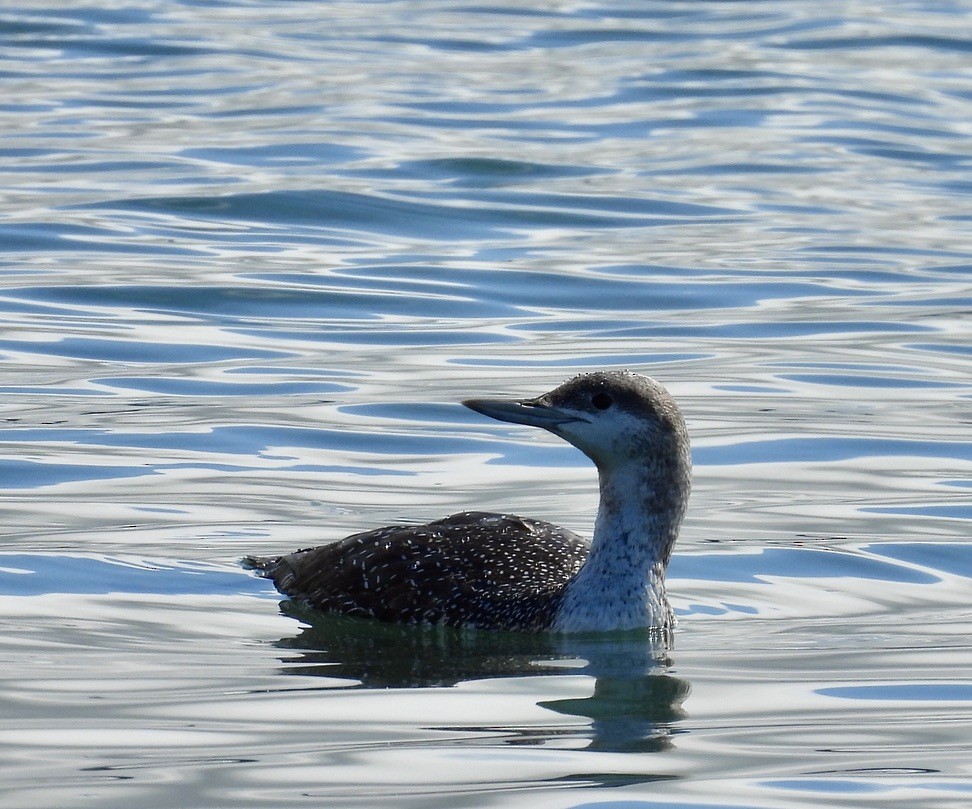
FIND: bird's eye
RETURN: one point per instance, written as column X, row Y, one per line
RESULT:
column 602, row 401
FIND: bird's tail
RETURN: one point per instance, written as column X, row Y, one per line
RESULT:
column 261, row 564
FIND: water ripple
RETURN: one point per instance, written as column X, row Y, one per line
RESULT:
column 253, row 256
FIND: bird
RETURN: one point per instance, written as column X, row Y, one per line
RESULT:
column 489, row 571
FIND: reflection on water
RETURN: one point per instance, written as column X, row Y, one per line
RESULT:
column 633, row 708
column 389, row 656
column 253, row 255
column 629, row 714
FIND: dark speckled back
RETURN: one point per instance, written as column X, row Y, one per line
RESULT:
column 491, row 571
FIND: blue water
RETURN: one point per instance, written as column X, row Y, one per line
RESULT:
column 252, row 255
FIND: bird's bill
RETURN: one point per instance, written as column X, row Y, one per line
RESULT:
column 529, row 412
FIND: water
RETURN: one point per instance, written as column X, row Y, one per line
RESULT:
column 254, row 253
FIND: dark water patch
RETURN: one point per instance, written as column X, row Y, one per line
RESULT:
column 561, row 290
column 16, row 474
column 707, row 76
column 794, row 563
column 413, row 279
column 475, row 11
column 950, row 303
column 579, row 37
column 942, row 348
column 902, row 129
column 722, row 609
column 44, row 574
column 181, row 386
column 283, row 112
column 905, row 692
column 750, row 389
column 354, row 335
column 905, row 41
column 460, row 44
column 896, row 152
column 54, row 165
column 470, row 107
column 578, row 131
column 861, row 381
column 18, row 29
column 48, row 390
column 828, row 449
column 80, row 31
column 963, row 187
column 744, row 169
column 136, row 351
column 293, row 371
column 373, row 213
column 653, row 90
column 755, row 330
column 952, row 511
column 626, row 209
column 344, row 469
column 413, row 412
column 591, row 361
column 222, row 303
column 883, row 253
column 505, row 291
column 815, row 788
column 119, row 47
column 481, row 172
column 278, row 154
column 879, row 367
column 324, row 209
column 34, row 237
column 258, row 439
column 954, row 558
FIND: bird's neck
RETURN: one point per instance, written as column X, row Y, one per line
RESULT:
column 622, row 583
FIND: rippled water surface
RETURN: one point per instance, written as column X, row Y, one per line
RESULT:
column 253, row 253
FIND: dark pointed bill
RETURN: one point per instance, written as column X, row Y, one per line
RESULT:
column 528, row 412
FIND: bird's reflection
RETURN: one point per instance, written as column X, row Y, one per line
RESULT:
column 629, row 713
column 634, row 706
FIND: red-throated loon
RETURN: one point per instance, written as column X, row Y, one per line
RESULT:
column 498, row 571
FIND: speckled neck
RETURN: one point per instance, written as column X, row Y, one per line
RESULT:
column 622, row 583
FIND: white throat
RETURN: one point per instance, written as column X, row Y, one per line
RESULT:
column 622, row 583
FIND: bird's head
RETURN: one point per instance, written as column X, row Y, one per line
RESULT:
column 613, row 417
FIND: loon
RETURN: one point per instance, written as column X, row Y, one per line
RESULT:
column 499, row 571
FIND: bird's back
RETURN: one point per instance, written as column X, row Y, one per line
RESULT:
column 492, row 571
